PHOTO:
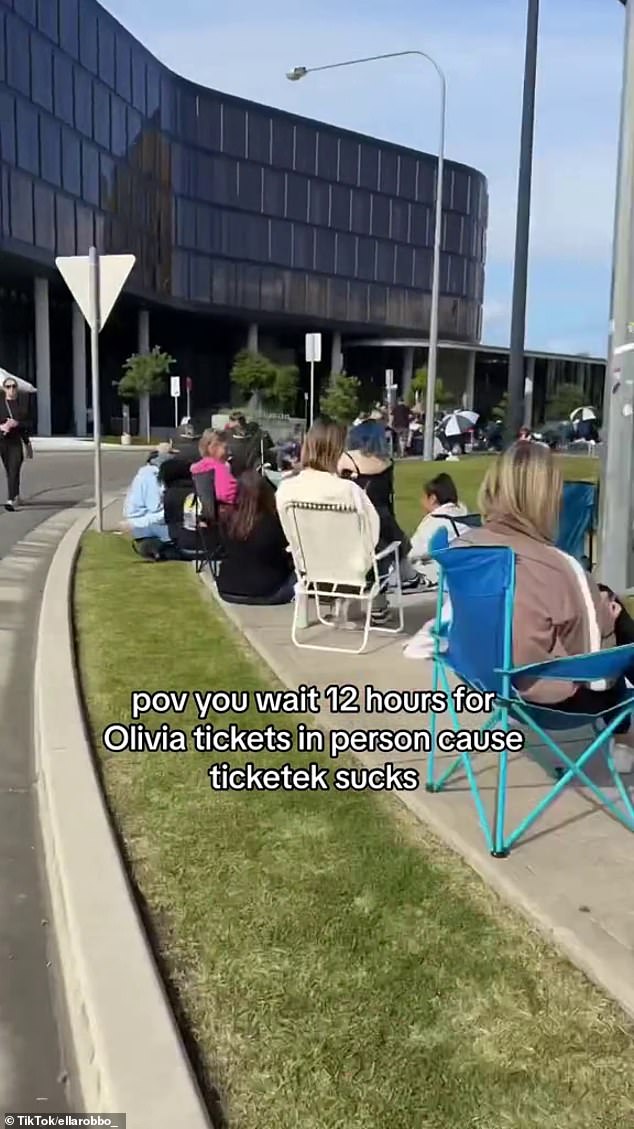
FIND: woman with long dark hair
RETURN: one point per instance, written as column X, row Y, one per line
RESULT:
column 256, row 567
column 15, row 441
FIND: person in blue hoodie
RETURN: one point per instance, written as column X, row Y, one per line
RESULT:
column 143, row 513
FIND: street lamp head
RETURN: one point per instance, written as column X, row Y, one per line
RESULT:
column 296, row 74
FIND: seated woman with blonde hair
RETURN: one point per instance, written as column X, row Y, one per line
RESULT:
column 559, row 610
column 214, row 449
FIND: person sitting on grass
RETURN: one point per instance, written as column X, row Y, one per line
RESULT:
column 256, row 566
column 213, row 449
column 442, row 510
column 559, row 609
column 143, row 509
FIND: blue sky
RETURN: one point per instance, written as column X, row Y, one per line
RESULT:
column 245, row 47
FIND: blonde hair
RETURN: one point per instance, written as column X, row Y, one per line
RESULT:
column 323, row 446
column 524, row 487
column 210, row 443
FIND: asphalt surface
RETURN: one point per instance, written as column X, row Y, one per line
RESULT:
column 36, row 1072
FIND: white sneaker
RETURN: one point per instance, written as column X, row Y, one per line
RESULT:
column 623, row 759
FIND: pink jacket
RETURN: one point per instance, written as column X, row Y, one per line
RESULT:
column 226, row 486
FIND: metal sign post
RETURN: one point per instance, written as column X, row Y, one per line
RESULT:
column 313, row 356
column 95, row 330
column 175, row 393
column 188, row 390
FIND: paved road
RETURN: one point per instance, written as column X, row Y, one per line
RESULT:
column 33, row 1064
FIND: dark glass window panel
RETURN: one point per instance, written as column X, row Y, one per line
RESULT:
column 421, row 233
column 234, row 130
column 407, row 177
column 271, row 289
column 63, row 88
column 378, row 304
column 456, row 275
column 366, row 252
column 106, row 50
column 180, row 274
column 358, row 302
column 101, row 115
column 327, row 156
column 168, row 105
column 7, row 127
column 88, row 55
column 452, row 234
column 399, row 222
column 44, row 209
column 118, row 120
column 305, row 149
column 404, row 266
column 83, row 101
column 51, row 150
column 340, row 207
column 250, row 186
column 224, row 182
column 186, row 117
column 42, row 72
column 460, row 193
column 139, row 72
column 123, row 67
column 338, row 299
column 395, row 306
column 317, row 296
column 28, row 132
column 281, row 236
column 71, row 163
column 199, row 278
column 90, row 174
column 296, row 197
column 259, row 136
column 381, row 217
column 107, row 173
column 361, row 205
column 423, row 259
column 348, row 161
column 388, row 172
column 153, row 88
column 303, row 247
column 282, row 143
column 325, row 241
column 248, row 286
column 385, row 262
column 368, row 166
column 319, row 203
column 18, row 55
column 21, row 193
column 346, row 263
column 426, row 184
column 135, row 127
column 200, row 182
column 69, row 26
column 85, row 229
column 209, row 122
column 27, row 9
column 208, row 224
column 294, row 293
column 273, row 192
column 3, row 48
column 185, row 223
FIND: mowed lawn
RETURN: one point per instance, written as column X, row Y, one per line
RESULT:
column 337, row 967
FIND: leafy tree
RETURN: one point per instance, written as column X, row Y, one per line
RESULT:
column 253, row 373
column 565, row 399
column 145, row 375
column 284, row 392
column 444, row 398
column 502, row 408
column 340, row 399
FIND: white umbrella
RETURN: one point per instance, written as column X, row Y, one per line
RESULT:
column 23, row 385
column 580, row 414
column 458, row 422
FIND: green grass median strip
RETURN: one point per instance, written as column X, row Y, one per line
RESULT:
column 338, row 967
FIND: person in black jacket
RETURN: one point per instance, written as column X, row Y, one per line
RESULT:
column 256, row 567
column 15, row 440
column 249, row 446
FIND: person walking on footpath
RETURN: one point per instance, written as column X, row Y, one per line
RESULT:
column 15, row 442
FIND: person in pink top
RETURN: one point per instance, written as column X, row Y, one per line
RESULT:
column 213, row 449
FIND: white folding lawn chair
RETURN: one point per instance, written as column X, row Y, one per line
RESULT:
column 335, row 559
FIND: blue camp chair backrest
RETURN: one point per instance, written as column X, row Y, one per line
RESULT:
column 481, row 584
column 576, row 519
column 439, row 540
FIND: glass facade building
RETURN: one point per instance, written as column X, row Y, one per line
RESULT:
column 232, row 209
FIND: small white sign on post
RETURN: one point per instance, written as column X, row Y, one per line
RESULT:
column 175, row 387
column 313, row 348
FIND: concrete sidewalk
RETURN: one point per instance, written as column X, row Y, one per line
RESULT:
column 571, row 874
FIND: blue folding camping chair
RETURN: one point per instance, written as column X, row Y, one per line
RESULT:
column 577, row 520
column 481, row 586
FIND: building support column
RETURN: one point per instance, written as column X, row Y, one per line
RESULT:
column 336, row 358
column 79, row 371
column 529, row 385
column 408, row 372
column 468, row 398
column 43, row 357
column 253, row 337
column 144, row 349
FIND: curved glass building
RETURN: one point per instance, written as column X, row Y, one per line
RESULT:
column 249, row 225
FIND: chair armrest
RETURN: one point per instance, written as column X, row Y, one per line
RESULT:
column 391, row 548
column 611, row 663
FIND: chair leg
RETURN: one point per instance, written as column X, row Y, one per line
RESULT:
column 500, row 850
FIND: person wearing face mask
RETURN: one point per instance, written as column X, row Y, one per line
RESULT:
column 15, row 442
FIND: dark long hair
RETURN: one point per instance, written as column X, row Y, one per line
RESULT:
column 256, row 498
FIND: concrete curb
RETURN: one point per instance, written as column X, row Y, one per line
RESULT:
column 128, row 1050
column 611, row 972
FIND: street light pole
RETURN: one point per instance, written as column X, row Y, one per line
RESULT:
column 432, row 361
column 515, row 409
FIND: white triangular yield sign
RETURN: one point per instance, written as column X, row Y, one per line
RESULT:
column 114, row 271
